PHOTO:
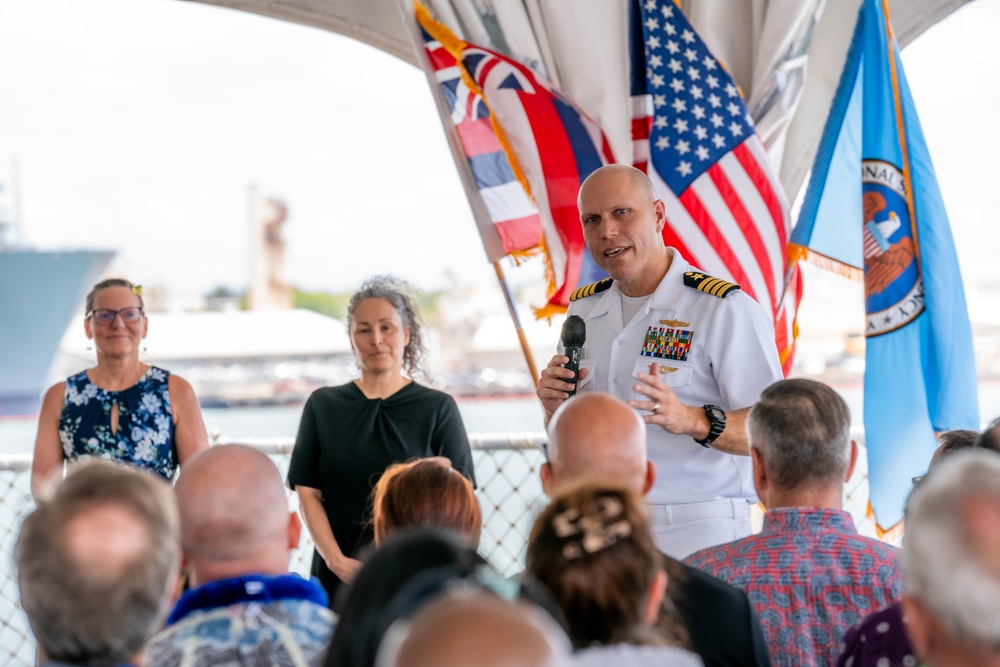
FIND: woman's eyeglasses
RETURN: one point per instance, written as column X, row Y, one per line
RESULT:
column 107, row 316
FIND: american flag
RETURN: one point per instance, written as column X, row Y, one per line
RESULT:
column 514, row 227
column 726, row 211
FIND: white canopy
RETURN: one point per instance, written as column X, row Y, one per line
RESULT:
column 585, row 50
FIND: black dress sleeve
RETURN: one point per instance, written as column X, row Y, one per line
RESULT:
column 303, row 469
column 451, row 440
column 720, row 620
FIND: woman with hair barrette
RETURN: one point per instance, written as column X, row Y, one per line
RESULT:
column 593, row 549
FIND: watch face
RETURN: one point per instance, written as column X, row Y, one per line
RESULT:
column 716, row 424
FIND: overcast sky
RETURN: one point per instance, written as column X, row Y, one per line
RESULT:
column 141, row 125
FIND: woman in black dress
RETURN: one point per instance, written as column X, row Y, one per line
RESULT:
column 350, row 434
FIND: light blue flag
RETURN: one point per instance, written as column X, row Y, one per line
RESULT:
column 890, row 225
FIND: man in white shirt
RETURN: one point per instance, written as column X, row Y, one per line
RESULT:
column 691, row 352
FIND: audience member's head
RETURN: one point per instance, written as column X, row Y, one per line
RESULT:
column 426, row 493
column 592, row 548
column 953, row 441
column 951, row 562
column 96, row 563
column 234, row 515
column 475, row 630
column 378, row 596
column 800, row 443
column 990, row 437
column 597, row 436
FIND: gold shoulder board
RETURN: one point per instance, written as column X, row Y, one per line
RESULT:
column 591, row 289
column 706, row 283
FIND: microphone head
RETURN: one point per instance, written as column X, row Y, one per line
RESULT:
column 574, row 332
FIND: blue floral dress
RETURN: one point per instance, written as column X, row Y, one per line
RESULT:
column 145, row 435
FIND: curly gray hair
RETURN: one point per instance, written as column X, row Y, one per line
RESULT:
column 394, row 290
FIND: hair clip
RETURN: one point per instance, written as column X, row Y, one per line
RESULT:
column 137, row 290
column 592, row 532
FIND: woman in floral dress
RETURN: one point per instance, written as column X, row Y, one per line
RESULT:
column 121, row 409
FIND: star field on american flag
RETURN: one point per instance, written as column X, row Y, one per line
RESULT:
column 698, row 115
column 691, row 133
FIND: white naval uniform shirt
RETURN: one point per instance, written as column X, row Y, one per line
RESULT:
column 732, row 358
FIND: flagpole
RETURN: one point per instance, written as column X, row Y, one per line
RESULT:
column 487, row 233
column 525, row 348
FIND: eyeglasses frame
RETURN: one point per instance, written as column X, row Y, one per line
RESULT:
column 117, row 314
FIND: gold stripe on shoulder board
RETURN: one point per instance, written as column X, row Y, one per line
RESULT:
column 709, row 284
column 591, row 289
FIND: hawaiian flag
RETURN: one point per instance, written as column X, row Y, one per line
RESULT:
column 873, row 210
column 550, row 144
column 513, row 227
column 693, row 135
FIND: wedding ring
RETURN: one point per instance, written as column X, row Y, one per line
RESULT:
column 656, row 408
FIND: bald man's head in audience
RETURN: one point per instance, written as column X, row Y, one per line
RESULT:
column 234, row 515
column 477, row 630
column 597, row 436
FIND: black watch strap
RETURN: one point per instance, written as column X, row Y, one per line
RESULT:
column 716, row 424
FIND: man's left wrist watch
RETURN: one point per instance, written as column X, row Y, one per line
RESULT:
column 716, row 424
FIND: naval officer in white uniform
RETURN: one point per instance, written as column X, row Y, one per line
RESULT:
column 690, row 352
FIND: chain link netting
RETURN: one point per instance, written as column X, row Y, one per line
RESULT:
column 509, row 490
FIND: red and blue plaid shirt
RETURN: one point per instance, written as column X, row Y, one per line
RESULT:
column 810, row 578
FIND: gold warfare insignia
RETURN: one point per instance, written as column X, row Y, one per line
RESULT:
column 675, row 323
column 705, row 283
column 591, row 289
column 668, row 369
column 667, row 343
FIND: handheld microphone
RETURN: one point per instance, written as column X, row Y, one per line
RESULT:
column 574, row 335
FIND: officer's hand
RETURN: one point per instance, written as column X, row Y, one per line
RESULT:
column 555, row 383
column 665, row 408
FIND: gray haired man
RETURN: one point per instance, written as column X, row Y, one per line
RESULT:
column 97, row 562
column 808, row 573
column 951, row 562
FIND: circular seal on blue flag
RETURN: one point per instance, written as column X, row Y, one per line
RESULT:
column 894, row 289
